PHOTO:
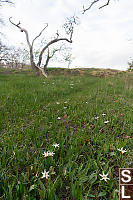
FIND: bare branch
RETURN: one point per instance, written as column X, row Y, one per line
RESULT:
column 45, row 66
column 50, row 43
column 39, row 34
column 95, row 1
column 105, row 4
column 22, row 30
column 47, row 60
column 43, row 70
column 69, row 27
column 57, row 33
column 6, row 1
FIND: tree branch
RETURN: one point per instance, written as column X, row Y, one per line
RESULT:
column 47, row 60
column 39, row 34
column 69, row 27
column 105, row 4
column 95, row 1
column 22, row 30
column 43, row 70
column 52, row 42
column 6, row 1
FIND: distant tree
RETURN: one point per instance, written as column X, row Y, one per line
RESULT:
column 3, row 52
column 24, row 55
column 36, row 66
column 11, row 57
column 67, row 57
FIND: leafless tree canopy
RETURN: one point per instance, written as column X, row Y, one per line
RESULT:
column 93, row 2
column 11, row 57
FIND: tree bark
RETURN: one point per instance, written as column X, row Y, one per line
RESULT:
column 32, row 63
column 35, row 69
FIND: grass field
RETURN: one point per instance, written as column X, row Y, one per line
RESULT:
column 90, row 117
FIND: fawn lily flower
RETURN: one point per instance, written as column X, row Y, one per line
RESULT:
column 50, row 153
column 45, row 154
column 103, row 114
column 122, row 150
column 57, row 103
column 56, row 145
column 59, row 118
column 104, row 177
column 106, row 122
column 96, row 117
column 45, row 174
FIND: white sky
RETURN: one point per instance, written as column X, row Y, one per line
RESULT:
column 103, row 39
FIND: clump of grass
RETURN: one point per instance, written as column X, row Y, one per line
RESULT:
column 88, row 117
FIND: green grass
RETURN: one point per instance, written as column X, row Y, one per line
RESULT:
column 29, row 125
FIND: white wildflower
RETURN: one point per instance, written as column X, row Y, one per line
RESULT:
column 46, row 154
column 104, row 177
column 103, row 114
column 45, row 174
column 59, row 118
column 122, row 150
column 56, row 145
column 50, row 153
column 106, row 122
column 96, row 117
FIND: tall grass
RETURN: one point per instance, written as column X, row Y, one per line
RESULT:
column 35, row 113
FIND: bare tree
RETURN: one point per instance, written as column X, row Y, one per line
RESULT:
column 68, row 26
column 93, row 2
column 3, row 52
column 10, row 57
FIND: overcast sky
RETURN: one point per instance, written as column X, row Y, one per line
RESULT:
column 104, row 38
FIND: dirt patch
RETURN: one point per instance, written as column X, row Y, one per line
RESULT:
column 104, row 72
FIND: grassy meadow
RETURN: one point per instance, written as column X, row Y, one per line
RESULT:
column 90, row 116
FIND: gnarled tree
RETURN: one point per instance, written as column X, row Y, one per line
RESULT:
column 37, row 67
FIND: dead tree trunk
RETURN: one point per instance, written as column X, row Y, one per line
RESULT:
column 32, row 63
